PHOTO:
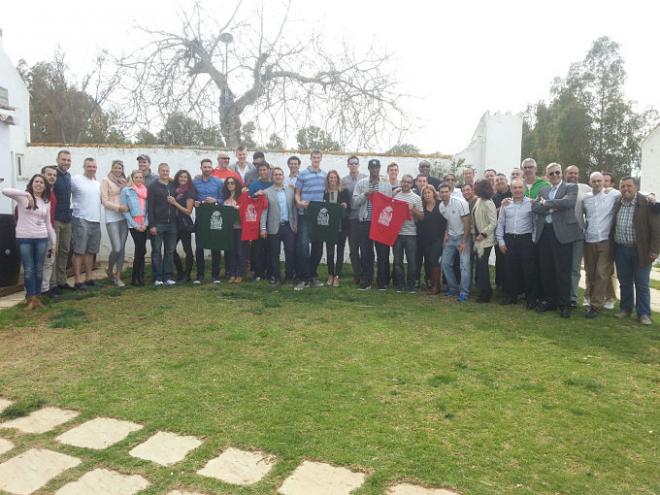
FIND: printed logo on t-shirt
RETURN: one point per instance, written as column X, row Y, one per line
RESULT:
column 385, row 217
column 250, row 214
column 323, row 218
column 216, row 221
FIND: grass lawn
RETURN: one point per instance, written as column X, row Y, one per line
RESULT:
column 482, row 399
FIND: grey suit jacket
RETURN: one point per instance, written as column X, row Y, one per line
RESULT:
column 250, row 173
column 564, row 222
column 270, row 217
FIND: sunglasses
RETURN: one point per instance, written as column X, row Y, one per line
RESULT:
column 557, row 172
column 223, row 158
column 353, row 162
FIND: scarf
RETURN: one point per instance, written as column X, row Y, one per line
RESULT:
column 120, row 182
column 141, row 191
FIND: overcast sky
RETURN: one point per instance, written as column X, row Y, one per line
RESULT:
column 458, row 59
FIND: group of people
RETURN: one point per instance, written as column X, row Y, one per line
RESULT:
column 540, row 227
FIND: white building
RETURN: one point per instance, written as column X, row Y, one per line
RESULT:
column 650, row 166
column 496, row 143
column 14, row 126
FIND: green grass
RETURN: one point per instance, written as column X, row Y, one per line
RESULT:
column 483, row 399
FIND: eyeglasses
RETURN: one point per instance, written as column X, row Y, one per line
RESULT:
column 556, row 172
column 223, row 158
column 528, row 167
column 353, row 162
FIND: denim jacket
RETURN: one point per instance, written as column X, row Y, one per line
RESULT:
column 130, row 198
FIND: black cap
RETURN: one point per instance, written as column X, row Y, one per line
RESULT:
column 144, row 157
column 374, row 163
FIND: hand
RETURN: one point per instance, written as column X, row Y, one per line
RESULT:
column 49, row 253
column 171, row 200
column 209, row 200
column 410, row 207
column 651, row 198
column 259, row 193
column 479, row 238
column 344, row 205
column 503, row 249
column 153, row 231
column 462, row 247
column 303, row 204
column 123, row 209
column 506, row 202
column 245, row 189
column 396, row 191
column 263, row 234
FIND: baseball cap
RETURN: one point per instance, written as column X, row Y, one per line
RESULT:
column 374, row 163
column 144, row 157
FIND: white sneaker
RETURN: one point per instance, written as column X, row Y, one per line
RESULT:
column 216, row 281
column 301, row 286
column 119, row 283
column 197, row 282
column 609, row 304
column 158, row 283
column 586, row 302
column 170, row 282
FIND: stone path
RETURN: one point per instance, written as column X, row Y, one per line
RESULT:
column 32, row 469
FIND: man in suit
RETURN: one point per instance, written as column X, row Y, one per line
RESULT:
column 279, row 225
column 556, row 229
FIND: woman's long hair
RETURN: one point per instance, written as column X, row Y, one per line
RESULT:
column 45, row 196
column 189, row 187
column 227, row 194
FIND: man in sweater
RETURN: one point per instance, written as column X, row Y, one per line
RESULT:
column 161, row 213
column 62, row 189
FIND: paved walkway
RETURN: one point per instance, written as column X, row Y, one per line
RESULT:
column 23, row 473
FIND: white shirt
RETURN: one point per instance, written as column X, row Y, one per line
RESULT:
column 457, row 193
column 86, row 198
column 290, row 181
column 454, row 211
column 599, row 214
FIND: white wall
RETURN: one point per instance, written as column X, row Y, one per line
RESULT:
column 650, row 166
column 496, row 143
column 13, row 138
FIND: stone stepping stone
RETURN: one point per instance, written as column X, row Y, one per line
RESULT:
column 26, row 473
column 105, row 482
column 408, row 489
column 41, row 421
column 4, row 404
column 165, row 448
column 238, row 467
column 321, row 479
column 5, row 446
column 98, row 433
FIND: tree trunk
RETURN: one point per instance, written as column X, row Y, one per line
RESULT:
column 230, row 121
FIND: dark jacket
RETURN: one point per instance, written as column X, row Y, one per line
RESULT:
column 62, row 191
column 647, row 229
column 564, row 222
column 159, row 211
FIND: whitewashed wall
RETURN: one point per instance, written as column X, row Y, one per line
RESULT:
column 182, row 158
column 650, row 167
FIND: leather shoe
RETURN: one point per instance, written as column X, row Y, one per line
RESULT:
column 565, row 312
column 592, row 313
column 545, row 306
column 507, row 301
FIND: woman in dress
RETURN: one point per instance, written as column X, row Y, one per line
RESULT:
column 430, row 235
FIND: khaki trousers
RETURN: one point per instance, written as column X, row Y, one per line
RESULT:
column 599, row 268
column 63, row 235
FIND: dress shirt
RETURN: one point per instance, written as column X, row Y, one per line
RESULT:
column 516, row 218
column 281, row 199
column 551, row 196
column 599, row 212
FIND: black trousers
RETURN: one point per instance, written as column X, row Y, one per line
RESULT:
column 335, row 254
column 367, row 258
column 354, row 246
column 556, row 261
column 284, row 236
column 186, row 241
column 215, row 263
column 140, row 241
column 499, row 267
column 519, row 273
column 483, row 275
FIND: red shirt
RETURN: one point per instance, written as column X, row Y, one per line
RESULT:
column 223, row 173
column 387, row 217
column 250, row 211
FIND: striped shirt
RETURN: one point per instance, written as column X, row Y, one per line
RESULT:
column 311, row 184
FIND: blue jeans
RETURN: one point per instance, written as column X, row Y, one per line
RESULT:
column 162, row 263
column 33, row 254
column 405, row 244
column 629, row 273
column 309, row 261
column 448, row 253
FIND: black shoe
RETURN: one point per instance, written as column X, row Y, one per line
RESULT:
column 64, row 287
column 80, row 286
column 92, row 283
column 55, row 291
column 565, row 312
column 573, row 305
column 592, row 313
column 509, row 300
column 545, row 306
column 531, row 306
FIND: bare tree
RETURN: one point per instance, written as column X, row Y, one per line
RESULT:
column 279, row 82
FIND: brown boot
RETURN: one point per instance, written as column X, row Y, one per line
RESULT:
column 435, row 281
